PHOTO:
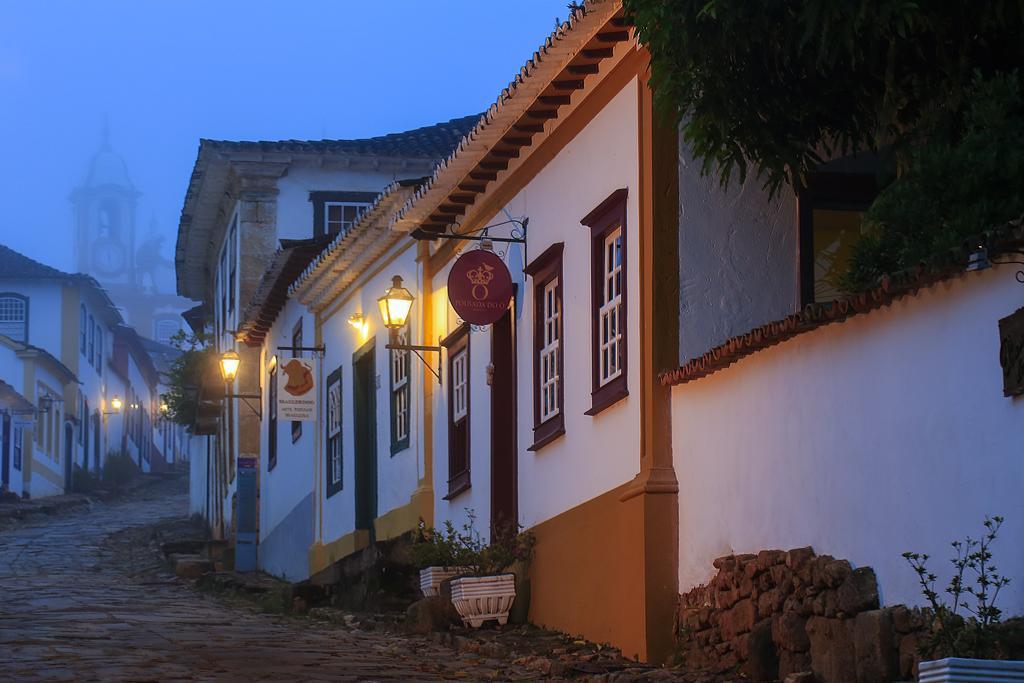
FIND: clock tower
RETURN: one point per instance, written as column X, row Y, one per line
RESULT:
column 104, row 208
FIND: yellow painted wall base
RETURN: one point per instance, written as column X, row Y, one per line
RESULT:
column 397, row 522
column 605, row 570
column 587, row 573
column 323, row 555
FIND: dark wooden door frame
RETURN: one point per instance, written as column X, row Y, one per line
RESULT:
column 504, row 442
column 364, row 429
column 5, row 451
column 69, row 454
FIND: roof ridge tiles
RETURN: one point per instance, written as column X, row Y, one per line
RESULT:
column 890, row 287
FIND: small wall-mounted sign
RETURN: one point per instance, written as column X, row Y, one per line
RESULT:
column 1011, row 352
column 479, row 287
column 296, row 390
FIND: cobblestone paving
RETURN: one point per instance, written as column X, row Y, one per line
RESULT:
column 68, row 611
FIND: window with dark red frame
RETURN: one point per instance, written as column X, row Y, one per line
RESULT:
column 609, row 341
column 548, row 346
column 457, row 345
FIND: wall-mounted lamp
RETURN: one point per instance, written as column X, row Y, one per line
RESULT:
column 360, row 324
column 394, row 311
column 229, row 363
column 272, row 365
column 115, row 406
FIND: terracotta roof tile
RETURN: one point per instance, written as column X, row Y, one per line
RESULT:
column 16, row 265
column 428, row 142
column 890, row 288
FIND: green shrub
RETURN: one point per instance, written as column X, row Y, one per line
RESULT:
column 83, row 481
column 119, row 470
column 952, row 189
column 976, row 631
column 465, row 547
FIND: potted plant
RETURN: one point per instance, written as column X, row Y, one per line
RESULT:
column 439, row 555
column 488, row 589
column 973, row 644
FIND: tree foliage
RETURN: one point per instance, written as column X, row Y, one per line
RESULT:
column 953, row 188
column 197, row 360
column 774, row 86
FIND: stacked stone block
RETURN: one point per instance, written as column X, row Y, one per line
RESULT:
column 780, row 613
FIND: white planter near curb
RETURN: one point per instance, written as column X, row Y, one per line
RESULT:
column 431, row 578
column 480, row 598
column 954, row 670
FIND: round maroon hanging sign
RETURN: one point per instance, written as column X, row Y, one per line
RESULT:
column 479, row 287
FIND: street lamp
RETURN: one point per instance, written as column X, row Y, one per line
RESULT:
column 115, row 406
column 229, row 364
column 394, row 307
column 395, row 304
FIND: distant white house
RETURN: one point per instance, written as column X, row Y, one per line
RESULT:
column 59, row 331
column 246, row 202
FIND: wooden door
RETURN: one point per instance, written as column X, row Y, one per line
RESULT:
column 364, row 415
column 69, row 454
column 504, row 466
column 5, row 452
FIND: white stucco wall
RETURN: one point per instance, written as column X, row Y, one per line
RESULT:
column 295, row 210
column 291, row 480
column 738, row 257
column 44, row 320
column 886, row 433
column 597, row 453
column 397, row 474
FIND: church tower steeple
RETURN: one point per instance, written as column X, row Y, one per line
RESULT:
column 104, row 208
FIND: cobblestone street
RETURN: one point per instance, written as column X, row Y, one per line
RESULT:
column 72, row 609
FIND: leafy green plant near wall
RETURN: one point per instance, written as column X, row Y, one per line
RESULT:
column 771, row 89
column 465, row 547
column 952, row 190
column 969, row 624
column 188, row 372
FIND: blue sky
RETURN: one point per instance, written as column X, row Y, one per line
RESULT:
column 167, row 73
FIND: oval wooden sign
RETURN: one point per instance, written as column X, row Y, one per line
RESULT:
column 479, row 287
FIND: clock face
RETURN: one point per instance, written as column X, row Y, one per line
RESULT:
column 108, row 257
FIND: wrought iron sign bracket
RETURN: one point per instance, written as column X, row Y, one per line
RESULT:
column 312, row 349
column 257, row 410
column 394, row 346
column 517, row 233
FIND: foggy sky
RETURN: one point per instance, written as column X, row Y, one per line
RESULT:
column 168, row 72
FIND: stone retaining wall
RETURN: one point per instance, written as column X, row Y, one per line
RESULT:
column 779, row 613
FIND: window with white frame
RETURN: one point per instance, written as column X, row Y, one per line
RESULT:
column 609, row 269
column 334, row 459
column 548, row 346
column 99, row 349
column 550, row 370
column 92, row 340
column 14, row 316
column 82, row 329
column 611, row 334
column 400, row 394
column 18, row 446
column 339, row 217
column 460, row 380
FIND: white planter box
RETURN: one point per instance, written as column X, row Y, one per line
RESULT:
column 955, row 670
column 480, row 598
column 431, row 578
